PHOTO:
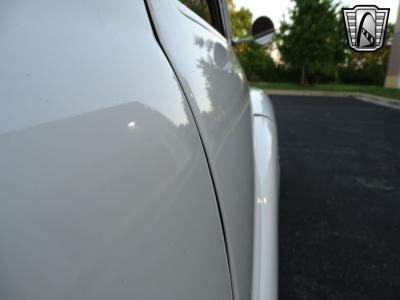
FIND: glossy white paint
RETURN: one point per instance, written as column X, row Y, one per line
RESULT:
column 261, row 105
column 266, row 169
column 218, row 94
column 105, row 190
column 104, row 187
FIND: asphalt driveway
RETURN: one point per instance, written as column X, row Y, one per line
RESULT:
column 340, row 199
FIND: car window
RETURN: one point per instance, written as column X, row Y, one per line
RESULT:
column 201, row 8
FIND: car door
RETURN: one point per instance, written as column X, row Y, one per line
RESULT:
column 105, row 192
column 218, row 94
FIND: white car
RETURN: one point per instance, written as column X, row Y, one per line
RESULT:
column 135, row 161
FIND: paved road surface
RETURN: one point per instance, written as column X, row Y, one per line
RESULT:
column 340, row 199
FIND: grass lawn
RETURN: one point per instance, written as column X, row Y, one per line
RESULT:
column 368, row 89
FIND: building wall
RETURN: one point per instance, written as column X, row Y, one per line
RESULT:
column 393, row 73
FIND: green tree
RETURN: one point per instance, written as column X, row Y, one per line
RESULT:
column 200, row 7
column 254, row 58
column 367, row 67
column 241, row 27
column 241, row 21
column 309, row 41
column 257, row 63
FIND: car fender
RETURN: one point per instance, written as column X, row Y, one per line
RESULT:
column 266, row 194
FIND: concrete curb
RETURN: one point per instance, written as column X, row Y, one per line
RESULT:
column 382, row 101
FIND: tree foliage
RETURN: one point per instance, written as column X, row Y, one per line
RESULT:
column 254, row 58
column 200, row 7
column 312, row 44
column 311, row 41
column 367, row 67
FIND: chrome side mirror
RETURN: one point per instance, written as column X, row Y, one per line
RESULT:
column 262, row 31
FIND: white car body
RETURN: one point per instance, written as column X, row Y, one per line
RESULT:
column 135, row 161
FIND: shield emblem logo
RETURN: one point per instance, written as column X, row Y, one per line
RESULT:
column 366, row 27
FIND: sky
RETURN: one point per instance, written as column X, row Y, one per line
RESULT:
column 275, row 9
